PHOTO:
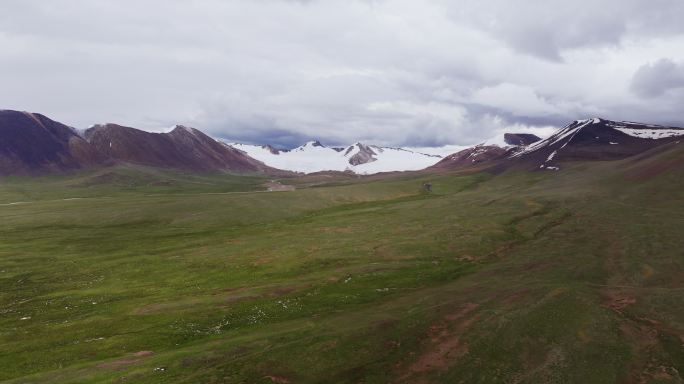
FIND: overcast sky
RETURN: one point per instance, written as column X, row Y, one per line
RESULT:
column 389, row 72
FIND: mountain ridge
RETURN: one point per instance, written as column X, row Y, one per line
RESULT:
column 361, row 158
column 31, row 143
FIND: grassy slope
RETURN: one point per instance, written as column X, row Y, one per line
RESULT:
column 573, row 276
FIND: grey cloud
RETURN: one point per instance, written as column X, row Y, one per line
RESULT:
column 391, row 72
column 547, row 28
column 652, row 80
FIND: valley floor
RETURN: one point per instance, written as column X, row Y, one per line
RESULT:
column 522, row 277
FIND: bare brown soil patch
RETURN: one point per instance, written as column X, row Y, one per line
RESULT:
column 444, row 345
column 132, row 359
column 618, row 301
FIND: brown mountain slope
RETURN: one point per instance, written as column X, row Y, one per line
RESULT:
column 182, row 148
column 469, row 157
column 33, row 143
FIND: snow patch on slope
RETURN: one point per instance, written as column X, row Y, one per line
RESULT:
column 567, row 132
column 654, row 134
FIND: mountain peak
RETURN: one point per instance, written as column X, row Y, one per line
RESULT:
column 520, row 139
column 309, row 145
column 314, row 143
column 178, row 128
column 506, row 140
column 591, row 120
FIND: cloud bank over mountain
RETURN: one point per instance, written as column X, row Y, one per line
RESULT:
column 390, row 72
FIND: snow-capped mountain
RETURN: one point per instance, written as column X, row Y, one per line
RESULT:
column 596, row 139
column 582, row 140
column 369, row 159
column 358, row 157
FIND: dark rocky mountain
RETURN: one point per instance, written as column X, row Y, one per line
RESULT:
column 364, row 155
column 272, row 149
column 595, row 139
column 519, row 139
column 582, row 140
column 32, row 143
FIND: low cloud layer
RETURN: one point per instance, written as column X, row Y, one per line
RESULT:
column 391, row 72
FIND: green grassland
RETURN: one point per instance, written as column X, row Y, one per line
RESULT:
column 134, row 275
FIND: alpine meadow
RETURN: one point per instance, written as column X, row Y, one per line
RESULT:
column 341, row 191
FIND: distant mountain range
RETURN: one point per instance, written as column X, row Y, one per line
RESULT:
column 358, row 157
column 31, row 143
column 365, row 159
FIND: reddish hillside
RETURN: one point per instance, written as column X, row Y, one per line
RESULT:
column 182, row 148
column 471, row 156
column 31, row 143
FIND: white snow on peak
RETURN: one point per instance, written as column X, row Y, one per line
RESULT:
column 313, row 157
column 593, row 120
column 645, row 131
